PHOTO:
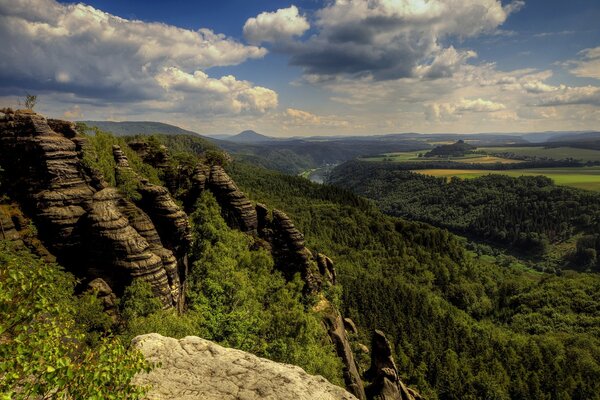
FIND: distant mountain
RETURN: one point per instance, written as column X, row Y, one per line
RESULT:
column 129, row 128
column 249, row 137
column 551, row 136
column 577, row 136
column 219, row 136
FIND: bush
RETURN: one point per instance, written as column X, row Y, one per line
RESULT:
column 43, row 350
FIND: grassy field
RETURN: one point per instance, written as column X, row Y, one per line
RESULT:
column 414, row 156
column 558, row 153
column 582, row 178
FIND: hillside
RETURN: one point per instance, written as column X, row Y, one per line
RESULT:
column 270, row 264
column 249, row 137
column 528, row 215
column 130, row 128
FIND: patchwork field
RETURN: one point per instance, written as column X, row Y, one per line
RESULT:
column 413, row 156
column 558, row 153
column 581, row 178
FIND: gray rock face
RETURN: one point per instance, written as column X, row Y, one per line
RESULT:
column 194, row 368
column 237, row 210
column 90, row 227
column 387, row 384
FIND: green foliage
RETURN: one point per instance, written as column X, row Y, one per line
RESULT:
column 43, row 350
column 527, row 213
column 138, row 300
column 247, row 304
column 99, row 156
column 462, row 327
column 237, row 299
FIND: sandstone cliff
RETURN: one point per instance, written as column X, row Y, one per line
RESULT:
column 186, row 364
column 90, row 228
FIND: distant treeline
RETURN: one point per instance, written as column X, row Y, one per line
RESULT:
column 442, row 164
column 527, row 213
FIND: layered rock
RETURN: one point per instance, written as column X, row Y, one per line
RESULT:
column 237, row 210
column 91, row 229
column 337, row 332
column 194, row 368
column 291, row 254
column 46, row 176
column 170, row 220
column 387, row 384
column 118, row 252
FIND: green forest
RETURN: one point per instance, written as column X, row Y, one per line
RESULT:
column 528, row 215
column 462, row 326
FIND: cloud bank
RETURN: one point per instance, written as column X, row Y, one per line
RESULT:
column 92, row 55
column 387, row 39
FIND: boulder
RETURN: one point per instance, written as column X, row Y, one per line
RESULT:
column 194, row 368
column 237, row 210
column 387, row 384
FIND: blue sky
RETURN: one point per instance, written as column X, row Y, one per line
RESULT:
column 309, row 67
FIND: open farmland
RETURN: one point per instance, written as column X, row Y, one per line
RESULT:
column 555, row 153
column 583, row 178
column 413, row 156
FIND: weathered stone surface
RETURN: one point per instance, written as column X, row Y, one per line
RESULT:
column 90, row 227
column 289, row 252
column 350, row 326
column 326, row 267
column 194, row 368
column 387, row 384
column 337, row 333
column 170, row 220
column 113, row 242
column 237, row 210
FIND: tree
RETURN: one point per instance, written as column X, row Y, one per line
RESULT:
column 30, row 101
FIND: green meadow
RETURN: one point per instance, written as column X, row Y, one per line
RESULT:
column 582, row 178
column 555, row 153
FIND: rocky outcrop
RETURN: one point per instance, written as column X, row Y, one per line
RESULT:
column 335, row 328
column 157, row 155
column 194, row 368
column 287, row 246
column 99, row 288
column 163, row 223
column 90, row 227
column 237, row 210
column 170, row 220
column 387, row 384
column 118, row 252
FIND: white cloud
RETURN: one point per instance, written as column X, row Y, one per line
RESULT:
column 77, row 49
column 221, row 96
column 296, row 117
column 282, row 24
column 573, row 95
column 589, row 64
column 391, row 39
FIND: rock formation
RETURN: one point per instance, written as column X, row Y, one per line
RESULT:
column 99, row 288
column 384, row 374
column 88, row 226
column 237, row 210
column 335, row 328
column 118, row 252
column 194, row 368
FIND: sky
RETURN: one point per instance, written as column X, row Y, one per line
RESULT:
column 308, row 67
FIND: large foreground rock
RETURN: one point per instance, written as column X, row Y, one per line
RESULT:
column 194, row 368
